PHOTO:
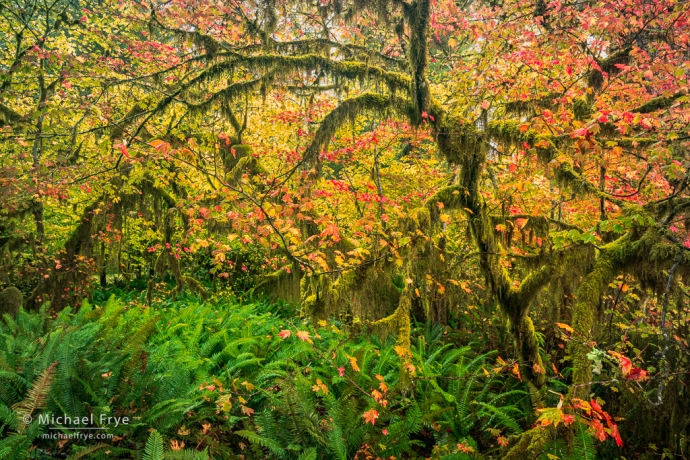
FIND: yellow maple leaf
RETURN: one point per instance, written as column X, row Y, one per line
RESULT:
column 353, row 363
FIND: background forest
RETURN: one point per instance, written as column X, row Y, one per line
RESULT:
column 346, row 229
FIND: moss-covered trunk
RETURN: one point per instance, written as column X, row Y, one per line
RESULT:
column 611, row 258
column 462, row 146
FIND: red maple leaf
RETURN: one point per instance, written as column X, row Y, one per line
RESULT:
column 123, row 149
column 616, row 435
column 284, row 334
column 599, row 430
column 637, row 374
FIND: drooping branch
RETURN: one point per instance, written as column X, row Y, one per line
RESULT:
column 348, row 110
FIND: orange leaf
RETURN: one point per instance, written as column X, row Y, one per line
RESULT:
column 353, row 363
column 370, row 416
column 304, row 335
column 637, row 374
column 565, row 327
column 615, row 434
column 123, row 149
column 516, row 371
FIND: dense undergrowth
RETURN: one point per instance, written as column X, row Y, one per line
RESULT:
column 232, row 379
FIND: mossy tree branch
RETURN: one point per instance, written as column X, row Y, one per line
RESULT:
column 346, row 111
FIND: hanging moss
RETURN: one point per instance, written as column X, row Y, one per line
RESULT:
column 508, row 134
column 58, row 287
column 595, row 78
column 417, row 15
column 452, row 197
column 11, row 300
column 398, row 323
column 457, row 139
column 466, row 148
column 225, row 96
column 118, row 129
column 8, row 116
column 566, row 176
column 282, row 284
column 282, row 67
column 246, row 165
column 174, row 266
column 362, row 292
column 195, row 286
column 582, row 109
column 418, row 219
column 231, row 156
column 522, row 108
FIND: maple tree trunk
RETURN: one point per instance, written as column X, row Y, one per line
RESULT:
column 528, row 350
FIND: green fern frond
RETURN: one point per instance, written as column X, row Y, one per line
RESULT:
column 309, row 454
column 269, row 444
column 154, row 447
column 87, row 451
column 37, row 397
column 500, row 413
column 186, row 454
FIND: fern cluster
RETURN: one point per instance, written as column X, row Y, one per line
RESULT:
column 244, row 380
